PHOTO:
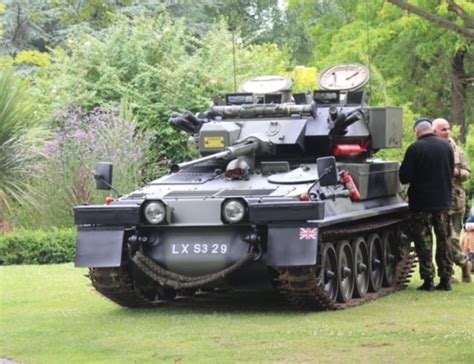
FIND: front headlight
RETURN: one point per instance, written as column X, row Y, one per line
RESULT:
column 233, row 211
column 155, row 212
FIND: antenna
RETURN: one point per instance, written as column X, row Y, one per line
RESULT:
column 232, row 29
column 368, row 44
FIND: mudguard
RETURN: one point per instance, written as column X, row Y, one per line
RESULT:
column 294, row 245
column 123, row 214
column 99, row 247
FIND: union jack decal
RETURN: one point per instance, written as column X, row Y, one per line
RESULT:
column 308, row 233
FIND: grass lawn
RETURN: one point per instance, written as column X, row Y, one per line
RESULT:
column 50, row 314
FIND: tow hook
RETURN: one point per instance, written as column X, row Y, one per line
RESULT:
column 154, row 240
column 254, row 240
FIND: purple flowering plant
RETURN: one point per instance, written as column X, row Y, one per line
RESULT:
column 82, row 139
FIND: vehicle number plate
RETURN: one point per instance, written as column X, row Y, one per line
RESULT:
column 197, row 248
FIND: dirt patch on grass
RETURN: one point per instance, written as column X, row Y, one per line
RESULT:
column 376, row 345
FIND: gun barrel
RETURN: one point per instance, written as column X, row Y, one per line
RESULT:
column 238, row 111
column 177, row 167
column 242, row 149
column 228, row 153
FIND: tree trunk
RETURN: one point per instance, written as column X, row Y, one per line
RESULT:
column 21, row 28
column 459, row 92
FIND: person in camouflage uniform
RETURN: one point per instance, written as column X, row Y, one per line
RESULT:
column 421, row 232
column 456, row 213
column 428, row 167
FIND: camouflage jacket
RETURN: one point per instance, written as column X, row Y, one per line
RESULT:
column 459, row 193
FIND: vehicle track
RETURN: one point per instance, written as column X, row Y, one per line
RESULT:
column 302, row 286
column 299, row 285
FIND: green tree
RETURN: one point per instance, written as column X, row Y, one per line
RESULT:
column 257, row 21
column 458, row 18
column 43, row 24
column 306, row 22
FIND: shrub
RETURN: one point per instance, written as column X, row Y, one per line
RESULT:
column 37, row 247
column 18, row 140
column 32, row 57
column 81, row 140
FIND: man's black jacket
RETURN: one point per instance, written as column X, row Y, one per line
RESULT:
column 428, row 167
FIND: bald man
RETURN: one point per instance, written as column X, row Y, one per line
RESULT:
column 428, row 167
column 456, row 213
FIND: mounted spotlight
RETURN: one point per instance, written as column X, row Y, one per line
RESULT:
column 234, row 211
column 155, row 212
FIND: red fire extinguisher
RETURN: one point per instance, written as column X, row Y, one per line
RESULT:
column 350, row 185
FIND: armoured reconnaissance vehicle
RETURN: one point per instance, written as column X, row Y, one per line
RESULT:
column 286, row 196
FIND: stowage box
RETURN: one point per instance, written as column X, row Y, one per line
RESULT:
column 375, row 179
column 385, row 127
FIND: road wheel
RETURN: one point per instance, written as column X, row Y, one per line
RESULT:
column 328, row 272
column 361, row 267
column 375, row 262
column 159, row 294
column 345, row 271
column 389, row 243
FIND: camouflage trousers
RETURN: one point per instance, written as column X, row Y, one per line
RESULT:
column 455, row 253
column 421, row 226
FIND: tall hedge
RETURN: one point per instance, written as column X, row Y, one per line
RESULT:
column 158, row 65
column 37, row 247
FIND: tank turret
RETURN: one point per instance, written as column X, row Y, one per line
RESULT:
column 335, row 123
column 286, row 196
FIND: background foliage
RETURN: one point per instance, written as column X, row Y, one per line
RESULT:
column 79, row 141
column 159, row 66
column 174, row 55
column 20, row 140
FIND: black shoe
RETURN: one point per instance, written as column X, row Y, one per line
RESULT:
column 428, row 285
column 444, row 285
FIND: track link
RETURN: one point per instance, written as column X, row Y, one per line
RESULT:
column 302, row 287
column 116, row 285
